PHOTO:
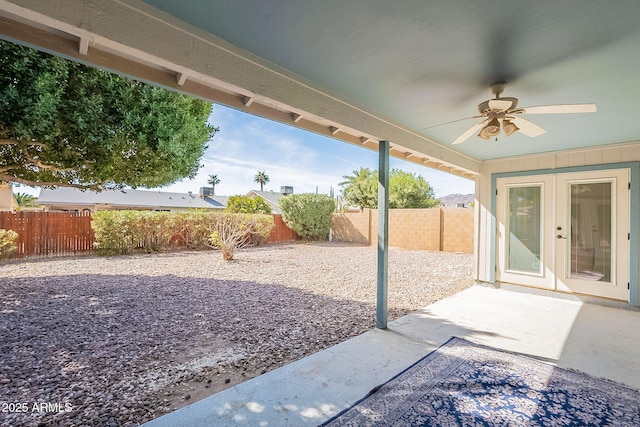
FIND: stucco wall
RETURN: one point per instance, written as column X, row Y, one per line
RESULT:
column 7, row 203
column 436, row 229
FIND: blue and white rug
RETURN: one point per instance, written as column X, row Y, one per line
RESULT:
column 465, row 384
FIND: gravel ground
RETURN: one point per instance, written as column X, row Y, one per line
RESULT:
column 118, row 341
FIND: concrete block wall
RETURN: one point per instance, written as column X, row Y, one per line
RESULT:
column 457, row 230
column 435, row 229
column 352, row 227
column 417, row 229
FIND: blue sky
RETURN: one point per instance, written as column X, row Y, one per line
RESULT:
column 247, row 144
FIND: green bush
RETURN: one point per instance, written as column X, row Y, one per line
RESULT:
column 8, row 239
column 250, row 205
column 155, row 230
column 309, row 215
column 116, row 232
column 195, row 227
column 122, row 232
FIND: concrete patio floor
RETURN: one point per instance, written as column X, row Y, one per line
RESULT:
column 603, row 341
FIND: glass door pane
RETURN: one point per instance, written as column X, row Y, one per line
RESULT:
column 524, row 229
column 590, row 240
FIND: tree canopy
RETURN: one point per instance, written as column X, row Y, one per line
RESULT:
column 309, row 215
column 361, row 188
column 406, row 190
column 66, row 124
column 248, row 205
column 25, row 200
column 261, row 178
column 213, row 181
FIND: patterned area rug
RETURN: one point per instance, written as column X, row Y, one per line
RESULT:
column 465, row 384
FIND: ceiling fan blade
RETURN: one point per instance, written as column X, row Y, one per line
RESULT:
column 560, row 109
column 475, row 128
column 527, row 128
column 500, row 104
column 452, row 121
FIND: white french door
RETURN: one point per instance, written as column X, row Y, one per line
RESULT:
column 565, row 232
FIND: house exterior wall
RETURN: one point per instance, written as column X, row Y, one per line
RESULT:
column 611, row 156
column 7, row 202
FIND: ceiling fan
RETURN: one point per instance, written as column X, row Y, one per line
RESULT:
column 501, row 114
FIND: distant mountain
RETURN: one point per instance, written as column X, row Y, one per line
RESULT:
column 461, row 200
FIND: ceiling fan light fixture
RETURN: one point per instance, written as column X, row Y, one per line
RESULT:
column 490, row 130
column 509, row 127
column 484, row 135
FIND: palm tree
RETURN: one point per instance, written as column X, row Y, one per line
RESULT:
column 261, row 178
column 213, row 181
column 25, row 200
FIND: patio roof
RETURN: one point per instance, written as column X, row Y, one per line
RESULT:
column 569, row 333
column 387, row 71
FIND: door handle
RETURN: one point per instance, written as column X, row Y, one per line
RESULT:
column 559, row 236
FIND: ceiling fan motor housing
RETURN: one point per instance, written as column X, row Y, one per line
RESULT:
column 485, row 108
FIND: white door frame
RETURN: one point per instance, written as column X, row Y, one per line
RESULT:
column 553, row 184
column 543, row 277
column 617, row 286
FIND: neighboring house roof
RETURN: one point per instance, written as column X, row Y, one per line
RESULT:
column 271, row 197
column 127, row 198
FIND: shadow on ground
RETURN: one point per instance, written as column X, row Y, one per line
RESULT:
column 125, row 348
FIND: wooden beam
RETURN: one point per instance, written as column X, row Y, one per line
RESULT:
column 72, row 46
column 83, row 48
column 181, row 78
column 132, row 30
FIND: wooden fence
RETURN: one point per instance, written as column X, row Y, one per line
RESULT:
column 281, row 232
column 49, row 233
column 43, row 234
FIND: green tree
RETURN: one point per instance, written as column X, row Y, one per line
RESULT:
column 361, row 188
column 261, row 178
column 25, row 200
column 213, row 181
column 66, row 124
column 309, row 215
column 248, row 205
column 406, row 190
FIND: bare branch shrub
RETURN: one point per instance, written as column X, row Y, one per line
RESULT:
column 235, row 231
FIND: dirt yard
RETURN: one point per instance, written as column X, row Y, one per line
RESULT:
column 118, row 341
